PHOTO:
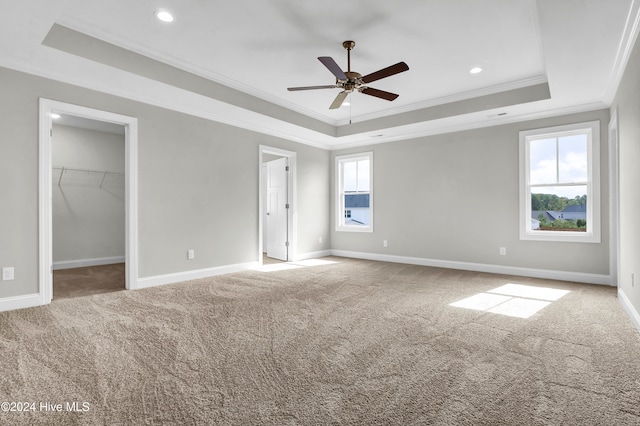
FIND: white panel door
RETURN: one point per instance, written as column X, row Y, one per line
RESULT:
column 277, row 209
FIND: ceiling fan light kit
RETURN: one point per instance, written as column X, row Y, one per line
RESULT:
column 351, row 81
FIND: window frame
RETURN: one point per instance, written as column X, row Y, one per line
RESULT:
column 340, row 160
column 593, row 232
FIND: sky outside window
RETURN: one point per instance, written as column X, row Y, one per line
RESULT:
column 356, row 176
column 559, row 160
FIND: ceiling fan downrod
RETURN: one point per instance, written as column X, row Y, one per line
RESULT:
column 349, row 44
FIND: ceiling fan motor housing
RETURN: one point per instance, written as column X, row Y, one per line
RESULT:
column 354, row 81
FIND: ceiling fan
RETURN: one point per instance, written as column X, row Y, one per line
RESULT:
column 351, row 80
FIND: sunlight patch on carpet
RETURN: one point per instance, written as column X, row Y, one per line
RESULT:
column 314, row 262
column 514, row 300
column 530, row 292
column 277, row 267
column 284, row 266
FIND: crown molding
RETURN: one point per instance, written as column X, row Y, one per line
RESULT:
column 238, row 117
column 519, row 84
column 627, row 42
column 477, row 121
column 149, row 52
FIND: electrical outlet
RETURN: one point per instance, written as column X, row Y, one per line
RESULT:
column 7, row 273
column 191, row 254
column 385, row 243
column 633, row 281
column 320, row 240
column 503, row 251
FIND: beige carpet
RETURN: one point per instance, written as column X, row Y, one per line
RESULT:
column 87, row 281
column 352, row 342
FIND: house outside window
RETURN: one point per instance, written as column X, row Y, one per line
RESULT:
column 354, row 189
column 560, row 183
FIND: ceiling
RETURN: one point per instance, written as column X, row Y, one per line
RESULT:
column 88, row 123
column 234, row 63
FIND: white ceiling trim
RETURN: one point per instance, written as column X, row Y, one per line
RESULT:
column 477, row 120
column 149, row 91
column 183, row 101
column 536, row 26
column 450, row 99
column 556, row 49
column 186, row 102
column 628, row 40
column 147, row 51
column 187, row 66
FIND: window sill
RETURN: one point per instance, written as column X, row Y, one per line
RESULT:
column 354, row 229
column 561, row 236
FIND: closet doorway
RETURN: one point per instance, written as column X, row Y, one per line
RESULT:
column 88, row 178
column 88, row 213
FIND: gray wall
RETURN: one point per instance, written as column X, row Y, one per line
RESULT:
column 449, row 197
column 198, row 184
column 455, row 197
column 627, row 103
column 88, row 212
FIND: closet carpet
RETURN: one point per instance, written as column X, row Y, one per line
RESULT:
column 78, row 282
column 329, row 342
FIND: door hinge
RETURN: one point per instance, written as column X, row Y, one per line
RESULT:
column 286, row 206
column 286, row 243
column 50, row 132
column 286, row 169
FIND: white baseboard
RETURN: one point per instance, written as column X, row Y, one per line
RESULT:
column 82, row 263
column 631, row 311
column 20, row 302
column 31, row 300
column 580, row 277
column 177, row 277
column 312, row 255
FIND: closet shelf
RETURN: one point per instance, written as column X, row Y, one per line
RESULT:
column 104, row 173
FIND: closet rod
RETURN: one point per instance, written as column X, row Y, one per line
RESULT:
column 69, row 169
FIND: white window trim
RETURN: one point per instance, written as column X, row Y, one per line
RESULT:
column 339, row 200
column 592, row 235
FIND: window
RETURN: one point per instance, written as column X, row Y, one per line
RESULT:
column 354, row 204
column 560, row 183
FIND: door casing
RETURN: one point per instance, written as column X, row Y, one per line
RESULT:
column 45, row 261
column 292, row 220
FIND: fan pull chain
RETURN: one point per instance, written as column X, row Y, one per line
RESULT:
column 350, row 106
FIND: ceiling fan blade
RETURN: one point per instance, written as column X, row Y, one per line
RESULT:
column 331, row 65
column 378, row 93
column 385, row 72
column 337, row 102
column 293, row 89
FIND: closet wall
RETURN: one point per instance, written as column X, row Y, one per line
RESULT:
column 88, row 197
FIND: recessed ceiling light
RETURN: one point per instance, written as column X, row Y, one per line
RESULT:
column 164, row 15
column 475, row 70
column 55, row 116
